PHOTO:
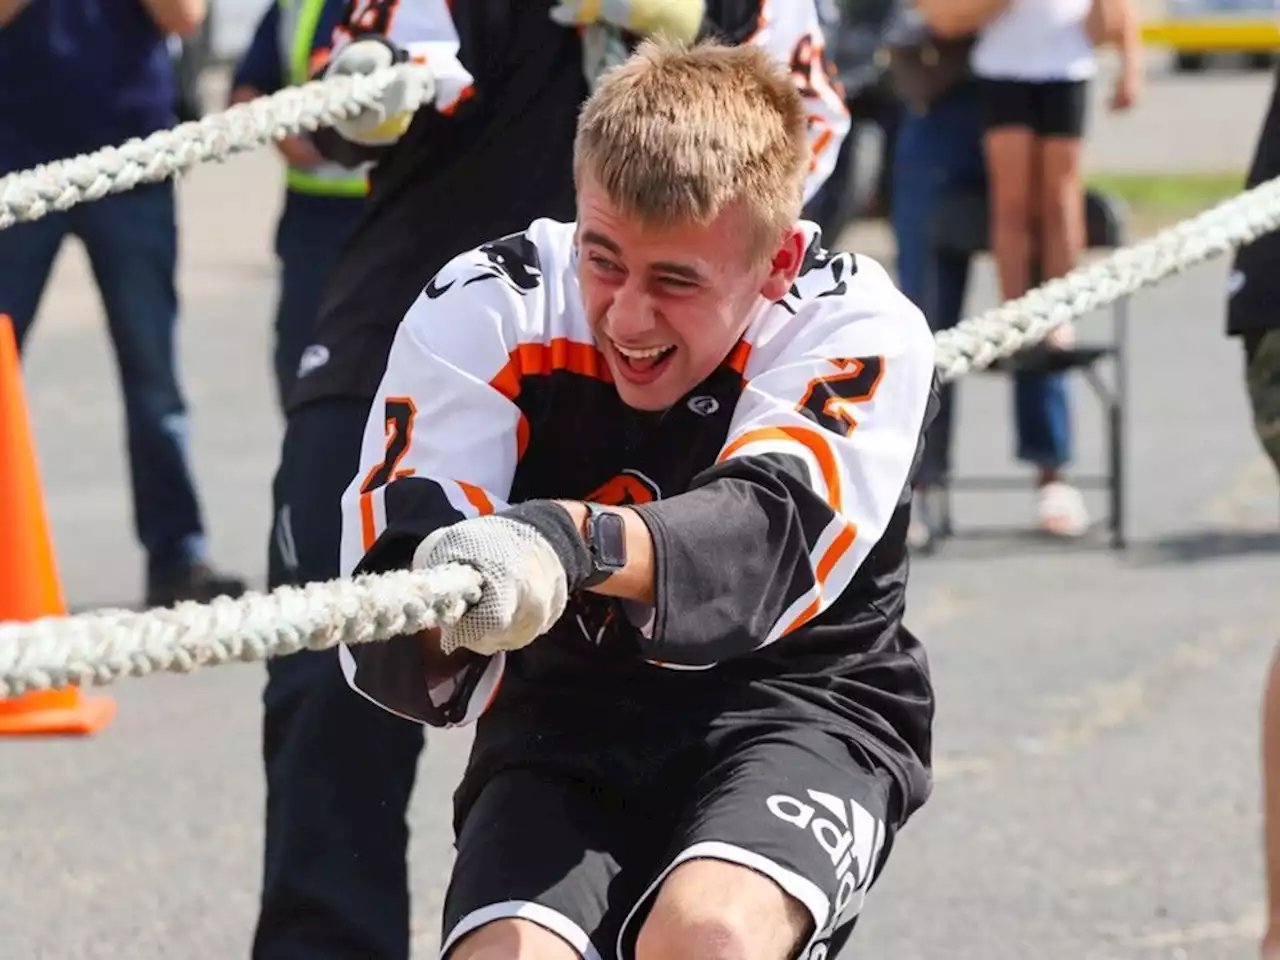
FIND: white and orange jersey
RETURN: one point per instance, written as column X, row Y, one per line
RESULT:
column 791, row 30
column 777, row 490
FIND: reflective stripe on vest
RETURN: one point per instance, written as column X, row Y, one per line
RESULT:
column 298, row 22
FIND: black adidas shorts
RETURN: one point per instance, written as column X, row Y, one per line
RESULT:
column 585, row 862
column 1050, row 108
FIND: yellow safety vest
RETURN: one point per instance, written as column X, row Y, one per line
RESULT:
column 298, row 22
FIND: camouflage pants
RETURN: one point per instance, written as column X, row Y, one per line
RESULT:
column 1262, row 374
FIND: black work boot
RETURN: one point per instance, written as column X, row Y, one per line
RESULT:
column 193, row 581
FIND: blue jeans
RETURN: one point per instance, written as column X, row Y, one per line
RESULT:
column 937, row 152
column 310, row 236
column 132, row 242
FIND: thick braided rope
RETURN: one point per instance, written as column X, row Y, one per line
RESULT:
column 31, row 194
column 101, row 647
column 995, row 334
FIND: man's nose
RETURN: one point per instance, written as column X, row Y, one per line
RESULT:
column 632, row 314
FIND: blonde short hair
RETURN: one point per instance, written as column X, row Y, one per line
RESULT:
column 680, row 132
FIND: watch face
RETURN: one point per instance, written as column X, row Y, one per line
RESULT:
column 611, row 540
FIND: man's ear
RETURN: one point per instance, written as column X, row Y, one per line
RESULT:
column 785, row 265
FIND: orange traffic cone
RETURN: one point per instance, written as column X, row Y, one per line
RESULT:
column 29, row 586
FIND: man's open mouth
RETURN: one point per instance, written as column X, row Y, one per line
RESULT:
column 644, row 360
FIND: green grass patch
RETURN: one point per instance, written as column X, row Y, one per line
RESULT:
column 1163, row 198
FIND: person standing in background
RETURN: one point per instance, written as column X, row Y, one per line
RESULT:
column 1034, row 61
column 77, row 76
column 323, row 201
column 941, row 149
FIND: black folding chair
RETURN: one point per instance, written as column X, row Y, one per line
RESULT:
column 960, row 229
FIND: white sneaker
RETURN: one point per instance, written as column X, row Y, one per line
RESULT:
column 1061, row 510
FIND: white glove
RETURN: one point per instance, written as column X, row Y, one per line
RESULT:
column 679, row 19
column 385, row 123
column 524, row 587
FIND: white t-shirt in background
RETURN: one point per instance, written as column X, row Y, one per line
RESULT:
column 1036, row 40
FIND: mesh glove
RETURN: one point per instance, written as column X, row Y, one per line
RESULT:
column 524, row 586
column 678, row 19
column 385, row 123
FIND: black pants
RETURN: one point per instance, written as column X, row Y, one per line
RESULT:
column 339, row 770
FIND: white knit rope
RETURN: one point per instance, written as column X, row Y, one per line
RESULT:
column 31, row 194
column 100, row 647
column 997, row 333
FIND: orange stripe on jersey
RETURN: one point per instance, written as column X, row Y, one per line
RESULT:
column 477, row 498
column 541, row 359
column 839, row 547
column 533, row 359
column 368, row 530
column 821, row 143
column 811, row 440
column 738, row 357
column 450, row 109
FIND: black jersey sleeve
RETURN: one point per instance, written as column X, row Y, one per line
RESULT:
column 441, row 444
column 818, row 456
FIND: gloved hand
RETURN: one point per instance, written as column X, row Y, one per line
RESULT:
column 524, row 585
column 382, row 125
column 679, row 19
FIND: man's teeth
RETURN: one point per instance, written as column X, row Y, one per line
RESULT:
column 641, row 354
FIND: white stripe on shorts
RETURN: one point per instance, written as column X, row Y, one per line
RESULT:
column 544, row 917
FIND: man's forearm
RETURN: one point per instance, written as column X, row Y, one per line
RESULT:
column 10, row 9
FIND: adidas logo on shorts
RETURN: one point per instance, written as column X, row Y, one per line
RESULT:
column 849, row 835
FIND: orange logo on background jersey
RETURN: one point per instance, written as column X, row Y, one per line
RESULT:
column 626, row 488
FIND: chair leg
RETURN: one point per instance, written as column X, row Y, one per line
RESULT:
column 945, row 528
column 1116, row 457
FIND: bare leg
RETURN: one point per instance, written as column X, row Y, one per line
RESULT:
column 1061, row 198
column 714, row 910
column 1010, row 164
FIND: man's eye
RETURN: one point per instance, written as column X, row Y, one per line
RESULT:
column 601, row 263
column 677, row 283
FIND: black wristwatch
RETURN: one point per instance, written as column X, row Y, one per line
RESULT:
column 606, row 542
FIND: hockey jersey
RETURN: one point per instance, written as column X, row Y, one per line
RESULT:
column 496, row 153
column 777, row 491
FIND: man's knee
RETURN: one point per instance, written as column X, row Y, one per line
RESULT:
column 714, row 910
column 512, row 938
